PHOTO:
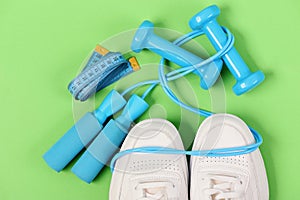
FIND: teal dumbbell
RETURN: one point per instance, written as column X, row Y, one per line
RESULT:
column 145, row 38
column 206, row 22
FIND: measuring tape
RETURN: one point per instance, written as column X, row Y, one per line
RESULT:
column 102, row 69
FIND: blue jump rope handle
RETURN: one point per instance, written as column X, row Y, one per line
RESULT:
column 67, row 147
column 82, row 133
column 107, row 143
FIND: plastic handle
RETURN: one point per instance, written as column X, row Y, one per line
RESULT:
column 112, row 103
column 82, row 133
column 108, row 141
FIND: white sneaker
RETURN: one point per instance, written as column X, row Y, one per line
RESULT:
column 235, row 177
column 140, row 176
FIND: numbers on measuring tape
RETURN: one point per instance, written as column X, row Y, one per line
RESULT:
column 96, row 70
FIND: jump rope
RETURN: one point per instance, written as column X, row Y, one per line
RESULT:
column 163, row 80
column 101, row 136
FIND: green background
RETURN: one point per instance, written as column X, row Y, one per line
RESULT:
column 42, row 44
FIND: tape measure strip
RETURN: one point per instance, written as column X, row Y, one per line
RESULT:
column 97, row 71
column 102, row 69
column 96, row 56
column 99, row 84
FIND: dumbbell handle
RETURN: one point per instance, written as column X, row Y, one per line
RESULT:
column 171, row 52
column 233, row 60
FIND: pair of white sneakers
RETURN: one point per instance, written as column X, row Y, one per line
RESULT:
column 140, row 176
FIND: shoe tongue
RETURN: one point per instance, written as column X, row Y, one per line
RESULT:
column 156, row 190
column 155, row 193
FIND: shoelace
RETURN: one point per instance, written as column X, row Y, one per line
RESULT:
column 223, row 188
column 154, row 190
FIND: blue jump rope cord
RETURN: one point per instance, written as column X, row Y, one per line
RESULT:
column 178, row 73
